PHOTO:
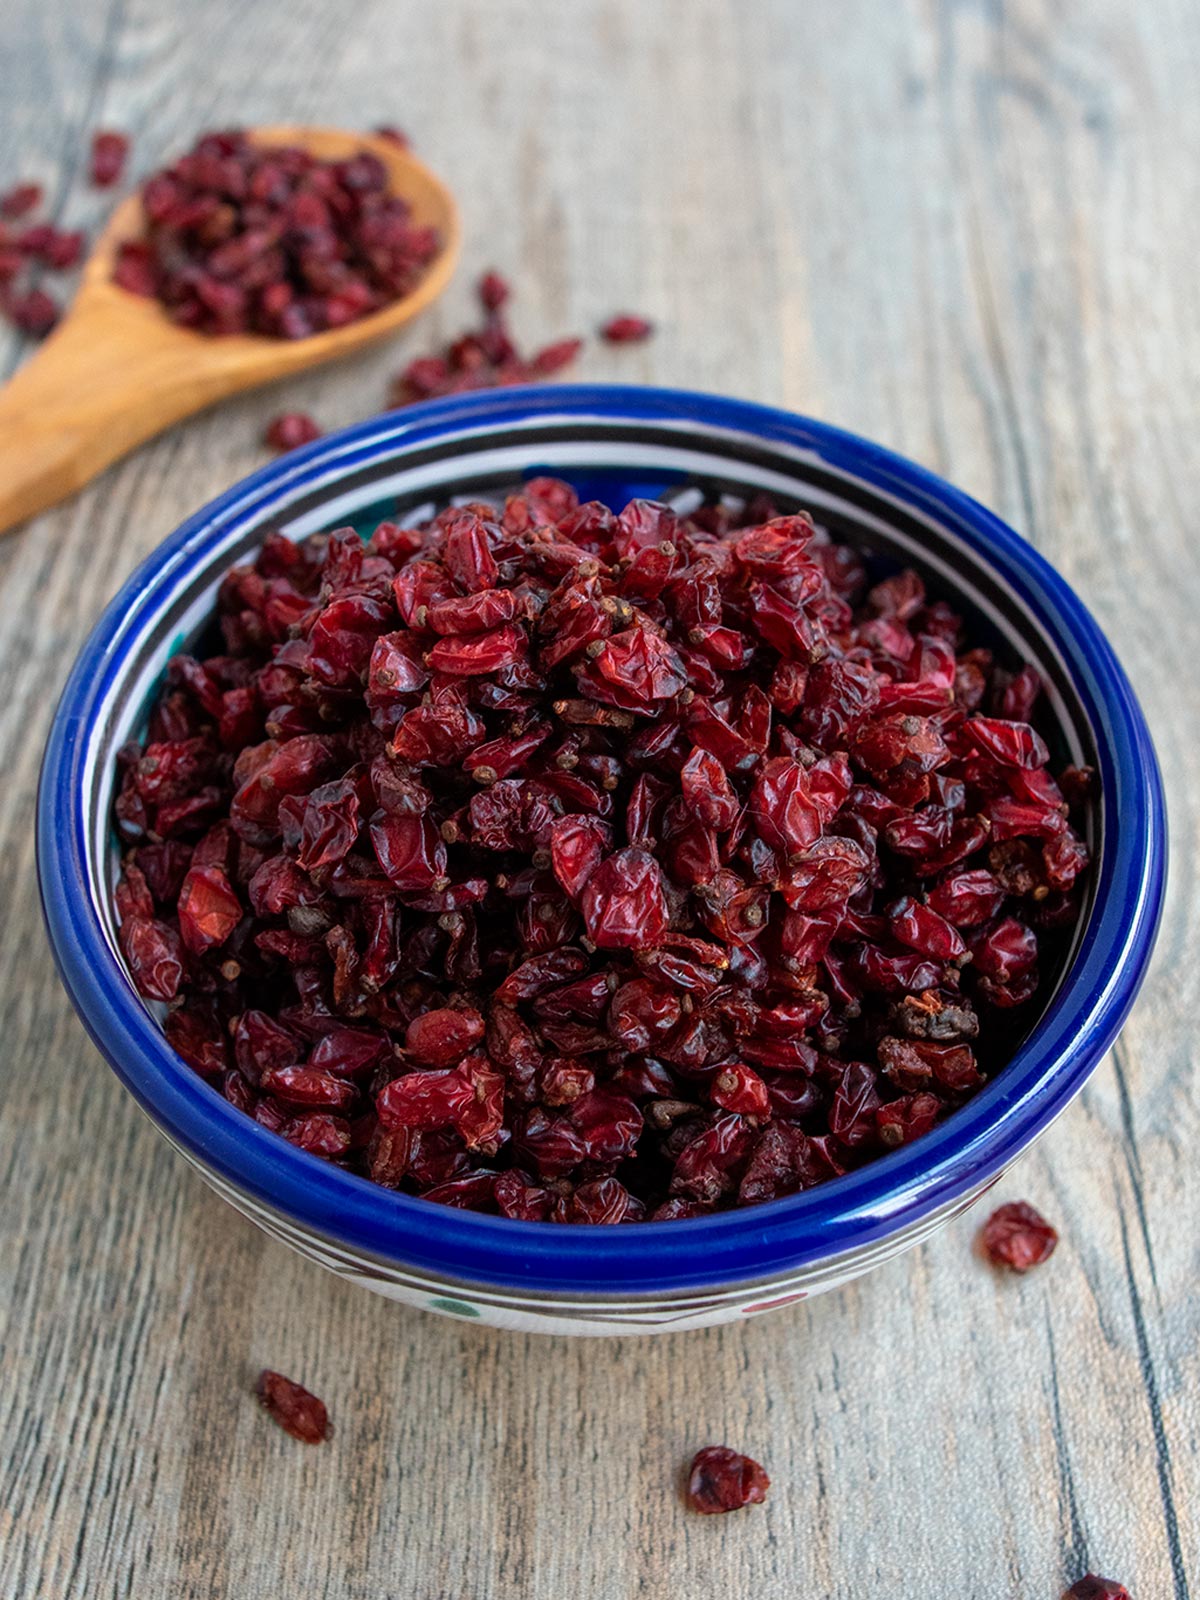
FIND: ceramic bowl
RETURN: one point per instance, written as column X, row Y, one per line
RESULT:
column 612, row 443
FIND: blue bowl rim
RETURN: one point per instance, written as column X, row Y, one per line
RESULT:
column 891, row 1196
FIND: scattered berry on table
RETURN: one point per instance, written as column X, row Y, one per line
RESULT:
column 626, row 329
column 1094, row 1588
column 295, row 1410
column 290, row 430
column 1017, row 1237
column 721, row 1479
column 110, row 150
column 20, row 199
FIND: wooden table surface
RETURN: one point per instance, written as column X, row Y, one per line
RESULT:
column 969, row 229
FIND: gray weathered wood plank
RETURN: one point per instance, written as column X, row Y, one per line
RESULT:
column 965, row 227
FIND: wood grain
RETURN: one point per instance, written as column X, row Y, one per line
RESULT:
column 965, row 227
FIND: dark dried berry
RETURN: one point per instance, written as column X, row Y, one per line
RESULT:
column 20, row 199
column 290, row 430
column 484, row 358
column 493, row 291
column 295, row 1410
column 626, row 329
column 63, row 250
column 720, row 1479
column 34, row 312
column 1017, row 1237
column 1094, row 1588
column 109, row 153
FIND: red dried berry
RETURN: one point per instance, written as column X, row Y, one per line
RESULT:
column 1094, row 1588
column 290, row 430
column 1017, row 1237
column 552, row 358
column 493, row 291
column 439, row 1038
column 308, row 1086
column 626, row 329
column 20, row 200
column 154, row 956
column 721, row 1479
column 109, row 153
column 739, row 1088
column 34, row 313
column 209, row 908
column 623, row 902
column 63, row 250
column 295, row 1410
column 424, row 1101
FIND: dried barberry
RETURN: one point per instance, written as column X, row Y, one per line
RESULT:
column 109, row 153
column 625, row 328
column 291, row 429
column 295, row 1410
column 1017, row 1237
column 20, row 199
column 721, row 1479
column 33, row 312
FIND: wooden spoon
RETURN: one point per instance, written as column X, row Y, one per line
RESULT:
column 117, row 370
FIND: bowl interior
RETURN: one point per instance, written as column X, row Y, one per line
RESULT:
column 614, row 465
column 612, row 445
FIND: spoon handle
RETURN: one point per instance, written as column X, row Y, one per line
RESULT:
column 93, row 391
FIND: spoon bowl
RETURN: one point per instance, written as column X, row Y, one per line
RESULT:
column 117, row 370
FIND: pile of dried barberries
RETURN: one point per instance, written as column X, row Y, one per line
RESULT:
column 242, row 238
column 591, row 867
